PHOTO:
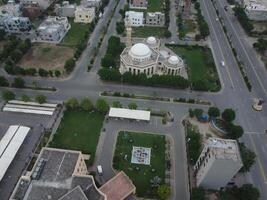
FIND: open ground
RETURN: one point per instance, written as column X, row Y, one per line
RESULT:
column 46, row 56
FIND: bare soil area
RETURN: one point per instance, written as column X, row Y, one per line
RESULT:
column 46, row 56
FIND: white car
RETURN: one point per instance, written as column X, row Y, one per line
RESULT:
column 99, row 170
column 222, row 63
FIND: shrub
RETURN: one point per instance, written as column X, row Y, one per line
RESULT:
column 3, row 81
column 40, row 99
column 18, row 82
column 8, row 95
column 69, row 65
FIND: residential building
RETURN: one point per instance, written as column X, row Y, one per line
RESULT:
column 84, row 15
column 256, row 9
column 138, row 4
column 91, row 3
column 218, row 162
column 52, row 29
column 149, row 57
column 44, row 4
column 155, row 19
column 31, row 10
column 134, row 18
column 65, row 10
column 15, row 24
column 10, row 9
column 60, row 174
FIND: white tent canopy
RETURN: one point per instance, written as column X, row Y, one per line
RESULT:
column 9, row 146
column 129, row 114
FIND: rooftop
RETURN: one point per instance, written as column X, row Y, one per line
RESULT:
column 129, row 114
column 118, row 188
column 224, row 148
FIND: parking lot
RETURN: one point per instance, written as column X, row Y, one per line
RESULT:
column 37, row 123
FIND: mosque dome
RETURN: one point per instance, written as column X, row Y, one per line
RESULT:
column 174, row 60
column 151, row 40
column 140, row 51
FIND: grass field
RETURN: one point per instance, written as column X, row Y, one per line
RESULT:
column 149, row 31
column 155, row 5
column 75, row 34
column 141, row 178
column 200, row 64
column 46, row 56
column 79, row 130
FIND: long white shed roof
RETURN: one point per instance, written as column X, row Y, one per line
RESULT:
column 129, row 114
column 9, row 146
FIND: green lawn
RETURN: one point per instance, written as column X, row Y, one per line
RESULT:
column 146, row 31
column 141, row 178
column 155, row 5
column 201, row 66
column 79, row 130
column 75, row 34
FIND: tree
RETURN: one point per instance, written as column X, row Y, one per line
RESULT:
column 86, row 104
column 102, row 106
column 43, row 72
column 164, row 191
column 18, row 82
column 72, row 103
column 3, row 81
column 155, row 181
column 8, row 95
column 69, row 65
column 25, row 98
column 260, row 45
column 167, row 34
column 198, row 112
column 248, row 157
column 132, row 106
column 214, row 112
column 2, row 34
column 108, row 61
column 235, row 131
column 198, row 193
column 40, row 99
column 248, row 192
column 116, row 104
column 228, row 115
column 57, row 73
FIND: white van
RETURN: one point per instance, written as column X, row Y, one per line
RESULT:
column 99, row 170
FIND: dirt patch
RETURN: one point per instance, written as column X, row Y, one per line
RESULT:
column 46, row 56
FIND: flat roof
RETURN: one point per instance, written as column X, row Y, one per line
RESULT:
column 129, row 114
column 9, row 146
column 119, row 187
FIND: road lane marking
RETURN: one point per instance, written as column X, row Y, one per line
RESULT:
column 226, row 66
column 259, row 161
column 241, row 44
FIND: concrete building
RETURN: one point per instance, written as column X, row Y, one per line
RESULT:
column 256, row 9
column 155, row 19
column 15, row 24
column 65, row 10
column 138, row 4
column 44, row 4
column 91, row 3
column 134, row 18
column 52, row 29
column 62, row 175
column 31, row 10
column 149, row 57
column 84, row 15
column 218, row 162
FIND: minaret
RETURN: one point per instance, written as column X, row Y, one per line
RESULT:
column 128, row 33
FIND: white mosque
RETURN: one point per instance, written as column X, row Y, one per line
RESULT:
column 149, row 57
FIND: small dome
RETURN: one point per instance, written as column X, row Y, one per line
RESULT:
column 140, row 51
column 151, row 40
column 174, row 60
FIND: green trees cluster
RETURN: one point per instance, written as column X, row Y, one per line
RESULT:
column 12, row 52
column 198, row 193
column 3, row 81
column 69, row 65
column 248, row 157
column 18, row 82
column 120, row 27
column 246, row 191
column 8, row 95
column 86, row 104
column 203, row 26
column 167, row 13
column 260, row 45
column 113, row 74
column 164, row 191
column 243, row 18
column 193, row 139
column 115, row 47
